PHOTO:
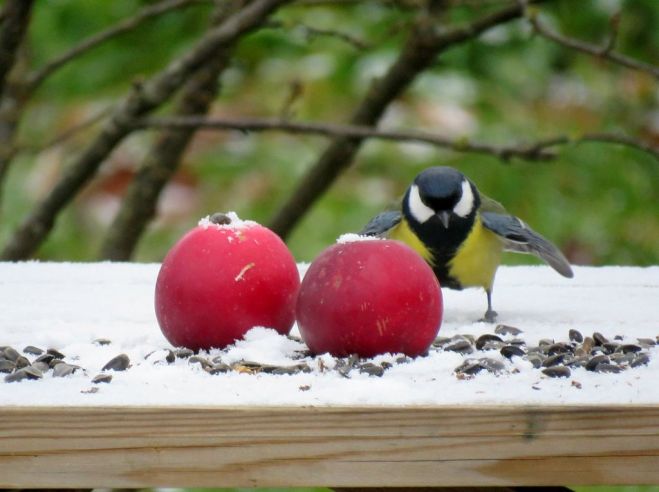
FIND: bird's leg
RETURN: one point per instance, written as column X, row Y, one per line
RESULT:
column 490, row 314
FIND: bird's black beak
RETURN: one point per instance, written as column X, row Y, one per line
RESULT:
column 444, row 218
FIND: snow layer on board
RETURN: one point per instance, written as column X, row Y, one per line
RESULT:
column 67, row 306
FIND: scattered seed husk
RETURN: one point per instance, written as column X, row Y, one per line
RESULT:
column 588, row 344
column 608, row 368
column 102, row 341
column 102, row 378
column 483, row 340
column 403, row 359
column 218, row 368
column 576, row 384
column 460, row 346
column 90, row 391
column 558, row 348
column 546, row 342
column 42, row 366
column 371, row 369
column 7, row 366
column 304, row 387
column 28, row 372
column 575, row 335
column 440, row 341
column 45, row 358
column 21, row 362
column 469, row 367
column 646, row 342
column 553, row 360
column 184, row 353
column 54, row 362
column 118, row 363
column 197, row 359
column 10, row 353
column 62, row 370
column 535, row 360
column 510, row 351
column 599, row 338
column 55, row 353
column 640, row 360
column 596, row 360
column 170, row 357
column 557, row 372
column 32, row 350
column 507, row 330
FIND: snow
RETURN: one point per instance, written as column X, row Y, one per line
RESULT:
column 67, row 306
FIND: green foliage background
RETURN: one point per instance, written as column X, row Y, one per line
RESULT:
column 599, row 202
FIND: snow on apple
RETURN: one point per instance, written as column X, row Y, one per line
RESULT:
column 223, row 278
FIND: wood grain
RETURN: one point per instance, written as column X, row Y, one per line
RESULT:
column 324, row 446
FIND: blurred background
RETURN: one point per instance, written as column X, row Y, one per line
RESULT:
column 598, row 201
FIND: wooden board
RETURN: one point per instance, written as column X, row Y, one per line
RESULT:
column 128, row 447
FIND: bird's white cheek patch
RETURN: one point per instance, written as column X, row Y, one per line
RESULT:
column 419, row 210
column 466, row 203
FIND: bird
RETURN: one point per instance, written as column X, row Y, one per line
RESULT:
column 460, row 232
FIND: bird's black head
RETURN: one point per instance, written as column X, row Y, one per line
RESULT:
column 441, row 194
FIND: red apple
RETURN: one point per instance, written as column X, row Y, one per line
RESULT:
column 369, row 297
column 223, row 278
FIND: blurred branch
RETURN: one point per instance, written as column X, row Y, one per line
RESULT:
column 604, row 52
column 36, row 78
column 531, row 152
column 143, row 99
column 139, row 204
column 15, row 17
column 422, row 47
column 311, row 32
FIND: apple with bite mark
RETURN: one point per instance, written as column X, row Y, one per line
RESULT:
column 223, row 278
column 369, row 297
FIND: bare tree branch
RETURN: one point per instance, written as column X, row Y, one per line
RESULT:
column 529, row 151
column 139, row 204
column 36, row 79
column 421, row 49
column 604, row 52
column 329, row 130
column 144, row 99
column 15, row 19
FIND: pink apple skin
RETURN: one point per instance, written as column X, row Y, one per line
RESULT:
column 369, row 298
column 218, row 282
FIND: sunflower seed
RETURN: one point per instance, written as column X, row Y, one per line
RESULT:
column 184, row 353
column 440, row 341
column 197, row 359
column 548, row 342
column 575, row 336
column 557, row 372
column 102, row 378
column 102, row 341
column 640, row 360
column 507, row 330
column 483, row 339
column 646, row 342
column 594, row 361
column 45, row 358
column 469, row 367
column 599, row 338
column 553, row 360
column 55, row 353
column 608, row 368
column 510, row 351
column 558, row 348
column 42, row 366
column 630, row 347
column 55, row 362
column 118, row 363
column 536, row 360
column 10, row 353
column 610, row 347
column 21, row 362
column 492, row 365
column 7, row 366
column 32, row 350
column 371, row 369
column 460, row 346
column 218, row 368
column 588, row 344
column 62, row 370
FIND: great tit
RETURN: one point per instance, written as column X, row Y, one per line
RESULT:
column 460, row 232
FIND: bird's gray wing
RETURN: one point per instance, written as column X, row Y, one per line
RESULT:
column 381, row 223
column 519, row 237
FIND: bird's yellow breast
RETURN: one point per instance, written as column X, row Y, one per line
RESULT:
column 402, row 232
column 478, row 258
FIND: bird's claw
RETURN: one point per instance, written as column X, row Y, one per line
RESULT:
column 490, row 316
